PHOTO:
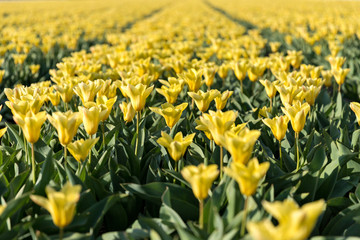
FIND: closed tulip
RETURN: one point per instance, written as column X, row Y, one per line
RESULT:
column 355, row 106
column 92, row 116
column 193, row 79
column 128, row 111
column 170, row 92
column 108, row 103
column 278, row 126
column 61, row 205
column 66, row 125
column 31, row 124
column 241, row 145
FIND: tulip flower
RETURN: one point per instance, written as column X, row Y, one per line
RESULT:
column 128, row 111
column 294, row 222
column 54, row 98
column 66, row 91
column 270, row 89
column 80, row 149
column 340, row 76
column 92, row 116
column 336, row 63
column 61, row 205
column 35, row 102
column 221, row 100
column 255, row 71
column 200, row 178
column 240, row 69
column 297, row 115
column 278, row 126
column 287, row 94
column 171, row 113
column 86, row 91
column 137, row 95
column 66, row 125
column 241, row 145
column 209, row 75
column 327, row 76
column 193, row 79
column 170, row 92
column 202, row 127
column 223, row 71
column 311, row 94
column 2, row 208
column 177, row 146
column 2, row 73
column 355, row 106
column 218, row 123
column 248, row 178
column 31, row 126
column 203, row 99
column 3, row 130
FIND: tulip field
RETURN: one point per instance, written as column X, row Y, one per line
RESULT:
column 194, row 119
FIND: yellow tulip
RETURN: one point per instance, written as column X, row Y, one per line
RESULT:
column 297, row 114
column 3, row 130
column 269, row 88
column 2, row 208
column 128, row 111
column 340, row 76
column 108, row 103
column 170, row 92
column 311, row 94
column 66, row 91
column 218, row 123
column 287, row 93
column 295, row 57
column 278, row 126
column 171, row 113
column 241, row 145
column 2, row 73
column 221, row 100
column 35, row 102
column 92, row 116
column 255, row 71
column 248, row 177
column 202, row 127
column 200, row 178
column 240, row 69
column 61, row 205
column 80, row 149
column 193, row 79
column 31, row 124
column 203, row 99
column 327, row 76
column 209, row 75
column 177, row 146
column 86, row 91
column 223, row 70
column 336, row 63
column 54, row 98
column 137, row 95
column 294, row 222
column 18, row 107
column 356, row 109
column 66, row 125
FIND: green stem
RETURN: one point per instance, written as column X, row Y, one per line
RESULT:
column 90, row 152
column 61, row 233
column 297, row 151
column 137, row 132
column 26, row 150
column 241, row 86
column 244, row 217
column 33, row 162
column 65, row 157
column 281, row 161
column 201, row 213
column 271, row 104
column 103, row 134
column 221, row 162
